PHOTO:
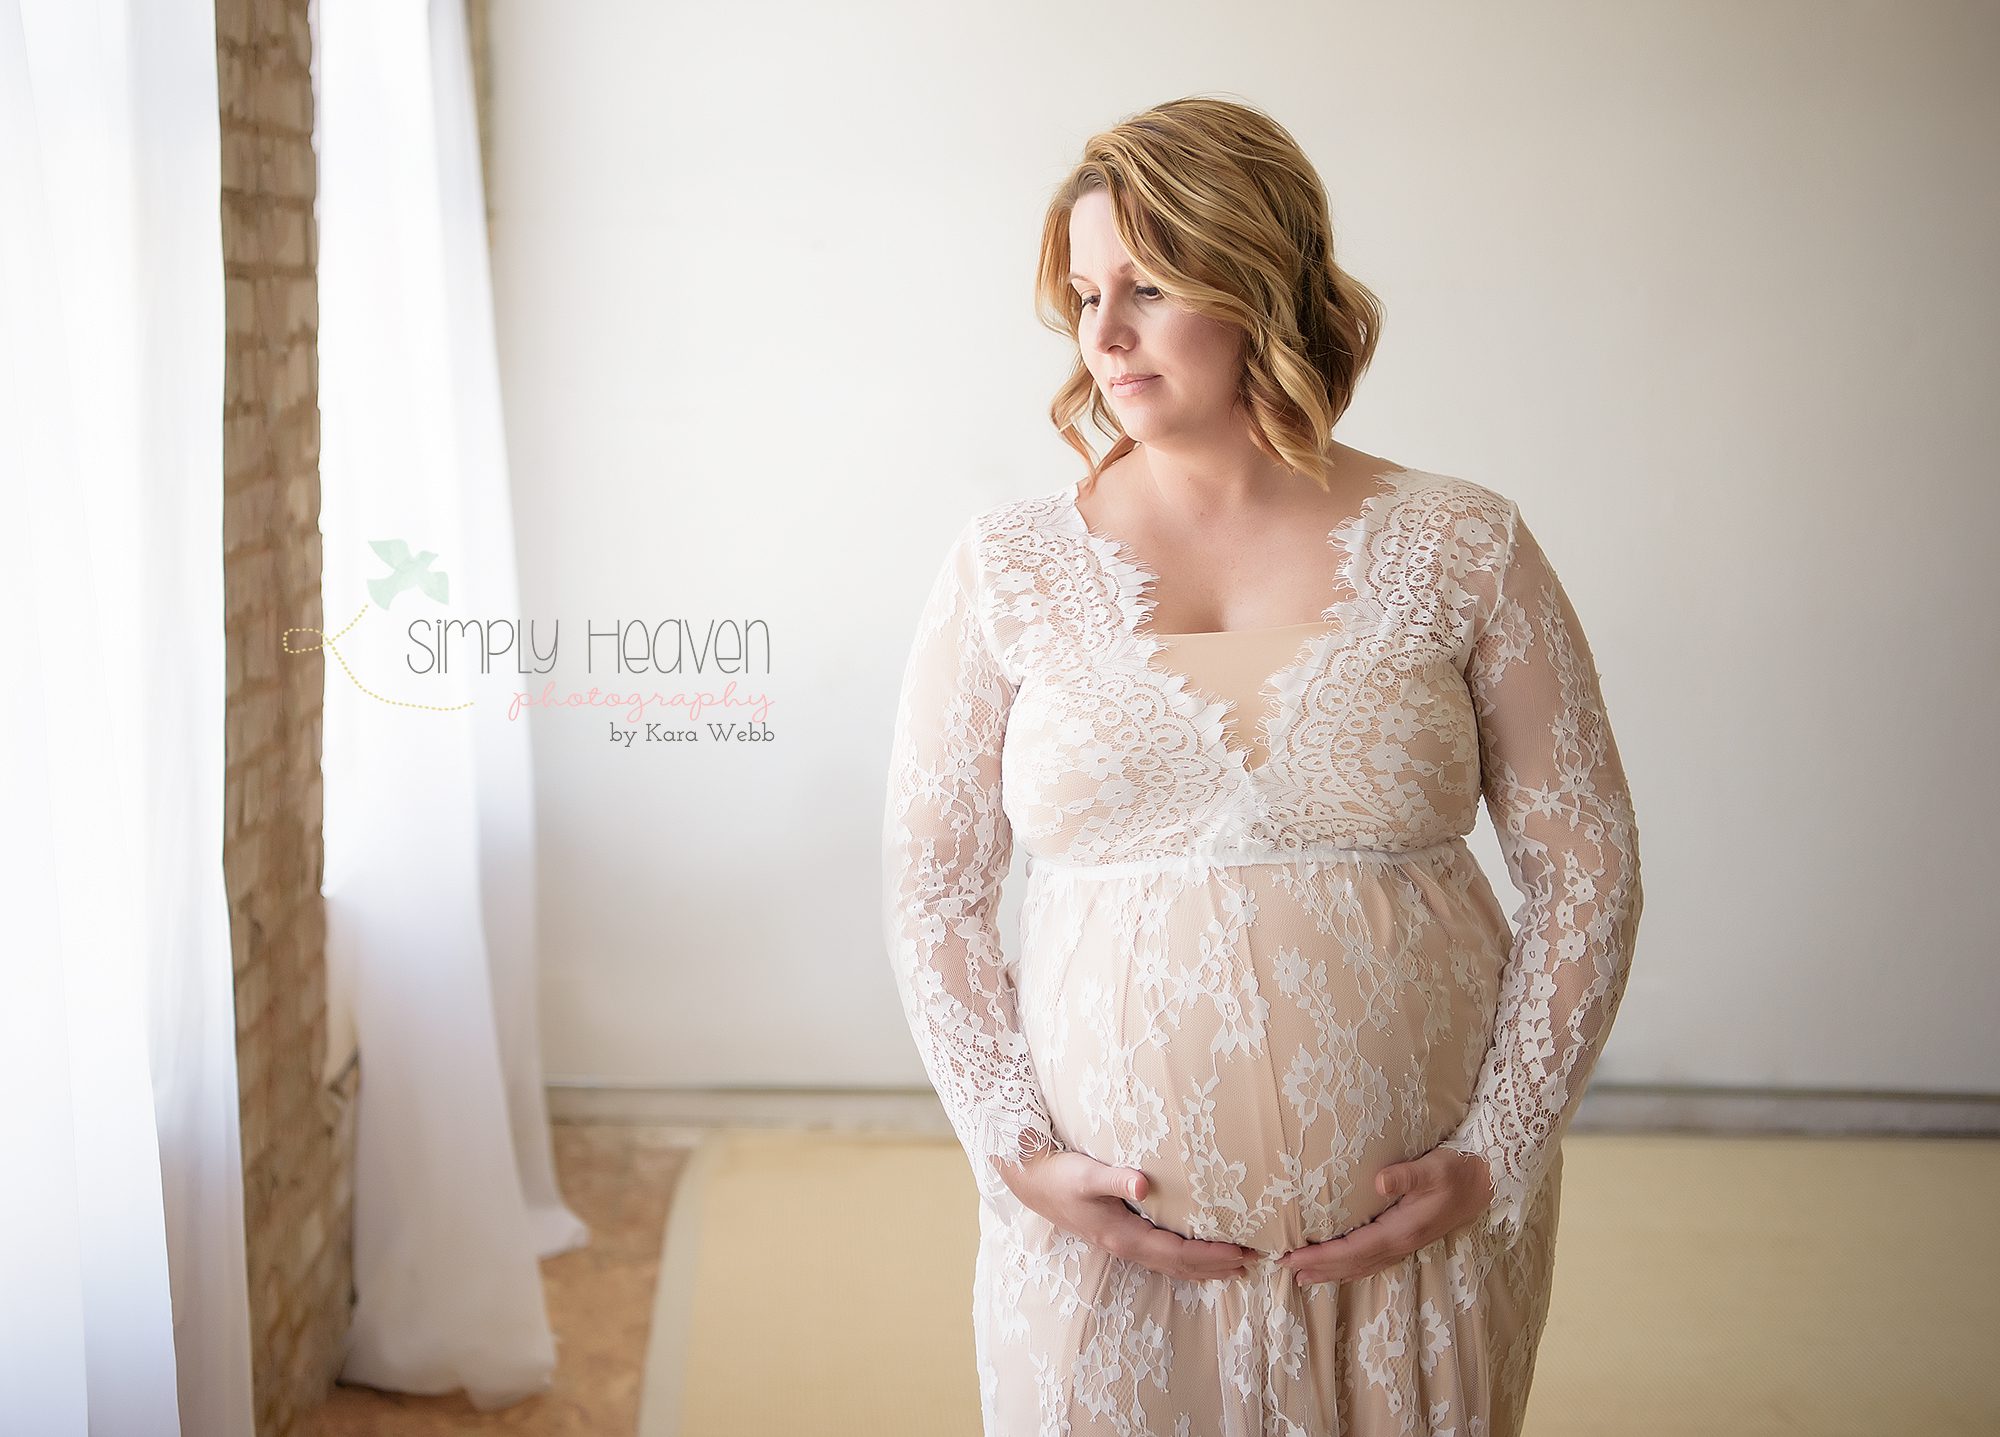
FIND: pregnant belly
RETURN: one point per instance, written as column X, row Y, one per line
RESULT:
column 1260, row 1041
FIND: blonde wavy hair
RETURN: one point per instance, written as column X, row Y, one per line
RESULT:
column 1224, row 212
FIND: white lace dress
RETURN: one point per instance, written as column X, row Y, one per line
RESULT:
column 1260, row 963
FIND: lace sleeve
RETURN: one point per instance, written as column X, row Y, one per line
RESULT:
column 946, row 846
column 1557, row 793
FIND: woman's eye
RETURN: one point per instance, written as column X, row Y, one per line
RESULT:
column 1150, row 291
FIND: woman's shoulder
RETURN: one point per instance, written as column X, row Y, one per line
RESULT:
column 1454, row 493
column 1442, row 535
column 1473, row 522
column 1014, row 533
column 1028, row 510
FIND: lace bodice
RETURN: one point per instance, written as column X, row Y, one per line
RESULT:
column 1035, row 709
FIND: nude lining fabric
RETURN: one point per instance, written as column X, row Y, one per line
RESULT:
column 1232, row 667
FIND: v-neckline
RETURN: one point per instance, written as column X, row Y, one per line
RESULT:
column 1137, row 586
column 1250, row 718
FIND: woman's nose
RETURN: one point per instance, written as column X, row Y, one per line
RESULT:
column 1112, row 333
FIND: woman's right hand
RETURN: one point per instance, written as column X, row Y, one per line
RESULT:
column 1086, row 1198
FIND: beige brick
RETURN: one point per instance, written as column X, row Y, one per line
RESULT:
column 260, row 713
column 289, row 377
column 301, row 508
column 248, row 581
column 232, row 77
column 297, row 598
column 300, row 95
column 296, row 176
column 301, row 307
column 253, row 787
column 252, row 1065
column 239, row 161
column 287, row 238
column 260, row 647
column 256, row 1123
column 298, row 1136
column 256, row 506
column 273, row 20
column 232, row 21
column 252, row 992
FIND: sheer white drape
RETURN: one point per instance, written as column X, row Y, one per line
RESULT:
column 429, row 852
column 122, row 1293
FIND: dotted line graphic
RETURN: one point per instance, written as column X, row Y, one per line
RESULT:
column 327, row 643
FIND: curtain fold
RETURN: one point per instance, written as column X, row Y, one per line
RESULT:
column 429, row 848
column 123, row 1303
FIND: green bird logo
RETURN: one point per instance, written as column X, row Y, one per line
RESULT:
column 408, row 571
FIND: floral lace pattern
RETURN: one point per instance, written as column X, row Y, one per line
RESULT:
column 1260, row 980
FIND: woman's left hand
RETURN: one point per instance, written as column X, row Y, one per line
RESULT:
column 1435, row 1194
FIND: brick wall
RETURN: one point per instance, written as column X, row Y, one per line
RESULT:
column 298, row 1140
column 479, row 38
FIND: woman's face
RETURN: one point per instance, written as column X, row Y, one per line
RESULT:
column 1129, row 327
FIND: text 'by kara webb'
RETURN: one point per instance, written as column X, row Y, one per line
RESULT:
column 674, row 646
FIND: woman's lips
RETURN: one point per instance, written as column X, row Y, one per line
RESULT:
column 1123, row 387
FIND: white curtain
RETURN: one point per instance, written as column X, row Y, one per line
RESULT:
column 123, row 1303
column 429, row 855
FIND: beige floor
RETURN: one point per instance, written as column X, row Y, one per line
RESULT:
column 820, row 1284
column 620, row 1181
column 1703, row 1285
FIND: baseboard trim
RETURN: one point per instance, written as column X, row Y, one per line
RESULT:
column 1607, row 1107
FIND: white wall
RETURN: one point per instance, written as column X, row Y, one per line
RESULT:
column 1708, row 288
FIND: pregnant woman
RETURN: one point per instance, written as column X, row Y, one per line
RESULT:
column 1266, row 1116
